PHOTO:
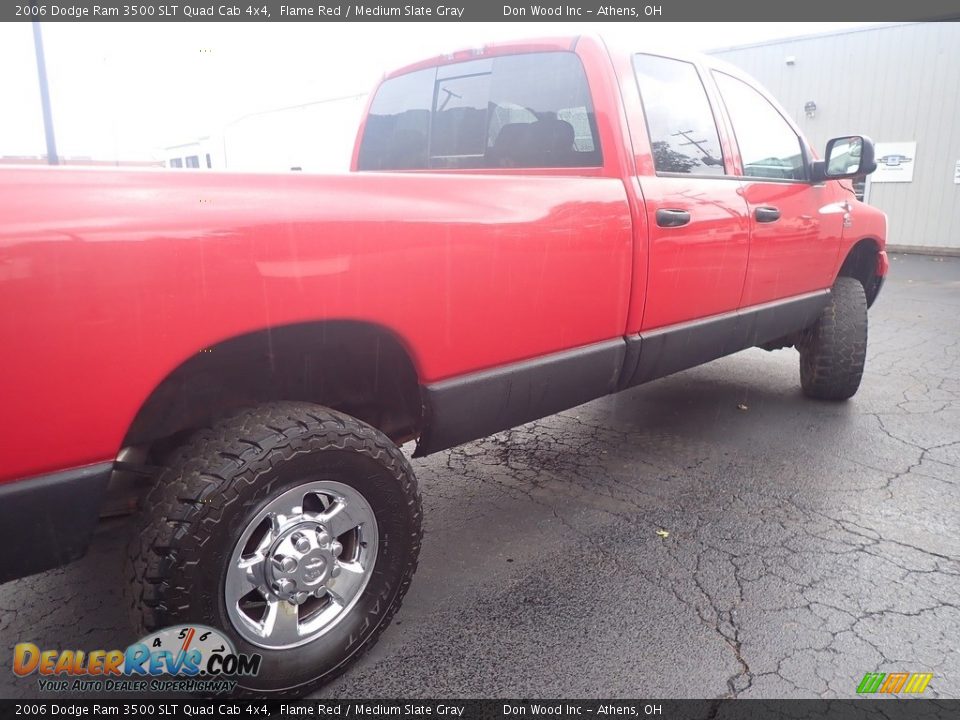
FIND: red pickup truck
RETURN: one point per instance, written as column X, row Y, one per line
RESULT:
column 528, row 226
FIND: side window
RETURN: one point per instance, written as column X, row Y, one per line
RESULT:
column 542, row 114
column 769, row 148
column 395, row 134
column 683, row 131
column 524, row 111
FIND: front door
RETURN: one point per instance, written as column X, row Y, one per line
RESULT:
column 795, row 226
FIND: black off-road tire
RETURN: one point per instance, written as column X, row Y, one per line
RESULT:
column 834, row 349
column 214, row 484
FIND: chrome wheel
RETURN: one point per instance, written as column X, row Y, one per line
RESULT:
column 301, row 564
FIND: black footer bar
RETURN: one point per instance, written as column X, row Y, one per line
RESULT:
column 889, row 709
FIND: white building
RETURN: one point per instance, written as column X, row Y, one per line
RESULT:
column 193, row 155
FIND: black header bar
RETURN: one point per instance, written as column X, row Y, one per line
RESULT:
column 321, row 11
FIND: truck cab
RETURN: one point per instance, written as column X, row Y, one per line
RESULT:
column 736, row 230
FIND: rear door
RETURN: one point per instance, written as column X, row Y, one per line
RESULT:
column 795, row 226
column 513, row 233
column 697, row 218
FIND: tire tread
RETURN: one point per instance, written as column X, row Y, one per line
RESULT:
column 833, row 350
column 208, row 472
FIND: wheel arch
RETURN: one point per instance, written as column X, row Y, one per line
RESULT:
column 860, row 263
column 359, row 368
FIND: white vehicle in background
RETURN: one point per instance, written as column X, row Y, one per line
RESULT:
column 315, row 137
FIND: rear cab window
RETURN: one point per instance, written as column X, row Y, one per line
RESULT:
column 514, row 111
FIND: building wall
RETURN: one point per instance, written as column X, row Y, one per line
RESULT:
column 202, row 152
column 892, row 83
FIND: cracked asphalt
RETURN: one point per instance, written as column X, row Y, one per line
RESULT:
column 710, row 534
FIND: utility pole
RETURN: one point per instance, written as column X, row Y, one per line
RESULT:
column 708, row 159
column 52, row 156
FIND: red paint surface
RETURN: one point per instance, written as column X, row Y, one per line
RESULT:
column 109, row 280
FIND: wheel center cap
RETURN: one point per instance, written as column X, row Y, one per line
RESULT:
column 314, row 568
column 300, row 561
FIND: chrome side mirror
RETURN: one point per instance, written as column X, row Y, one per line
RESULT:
column 846, row 157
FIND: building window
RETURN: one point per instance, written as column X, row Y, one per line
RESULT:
column 193, row 161
column 209, row 164
column 175, row 163
column 683, row 131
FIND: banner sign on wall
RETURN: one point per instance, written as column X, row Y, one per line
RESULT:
column 895, row 161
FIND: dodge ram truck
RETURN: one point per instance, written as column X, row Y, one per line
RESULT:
column 526, row 227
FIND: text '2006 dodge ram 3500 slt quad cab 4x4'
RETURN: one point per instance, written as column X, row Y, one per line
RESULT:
column 527, row 227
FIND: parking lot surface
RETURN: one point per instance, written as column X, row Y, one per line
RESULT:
column 710, row 534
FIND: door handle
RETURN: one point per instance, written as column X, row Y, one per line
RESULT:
column 668, row 217
column 766, row 214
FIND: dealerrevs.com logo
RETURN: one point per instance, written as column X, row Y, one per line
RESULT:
column 191, row 658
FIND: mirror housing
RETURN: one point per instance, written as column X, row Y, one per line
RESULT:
column 846, row 157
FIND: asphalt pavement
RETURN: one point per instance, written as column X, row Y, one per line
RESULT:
column 710, row 534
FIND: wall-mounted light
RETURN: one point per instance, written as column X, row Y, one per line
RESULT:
column 790, row 59
column 810, row 108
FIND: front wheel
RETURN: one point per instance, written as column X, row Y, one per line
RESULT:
column 293, row 528
column 834, row 349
